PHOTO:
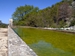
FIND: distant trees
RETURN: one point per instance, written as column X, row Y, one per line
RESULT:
column 21, row 14
column 63, row 10
column 72, row 23
column 54, row 16
column 0, row 22
column 68, row 1
column 2, row 25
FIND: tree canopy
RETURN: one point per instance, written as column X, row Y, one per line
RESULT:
column 54, row 16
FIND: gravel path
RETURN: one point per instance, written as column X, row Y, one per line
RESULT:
column 3, row 41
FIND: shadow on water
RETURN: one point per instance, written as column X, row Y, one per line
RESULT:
column 43, row 48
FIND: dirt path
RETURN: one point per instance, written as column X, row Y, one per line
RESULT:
column 3, row 41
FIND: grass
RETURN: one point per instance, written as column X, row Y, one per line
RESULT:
column 48, row 42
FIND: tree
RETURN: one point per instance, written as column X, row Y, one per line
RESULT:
column 72, row 23
column 55, row 16
column 21, row 12
column 64, row 12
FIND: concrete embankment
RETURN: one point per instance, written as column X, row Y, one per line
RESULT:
column 16, row 46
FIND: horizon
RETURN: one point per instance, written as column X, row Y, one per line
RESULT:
column 9, row 7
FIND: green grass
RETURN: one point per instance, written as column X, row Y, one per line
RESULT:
column 47, row 42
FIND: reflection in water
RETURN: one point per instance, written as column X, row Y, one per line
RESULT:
column 46, row 49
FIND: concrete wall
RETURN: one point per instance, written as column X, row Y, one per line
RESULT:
column 16, row 46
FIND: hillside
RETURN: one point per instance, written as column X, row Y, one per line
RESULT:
column 60, row 14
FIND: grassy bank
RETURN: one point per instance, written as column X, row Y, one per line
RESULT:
column 47, row 42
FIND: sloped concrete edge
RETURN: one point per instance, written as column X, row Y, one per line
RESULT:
column 16, row 46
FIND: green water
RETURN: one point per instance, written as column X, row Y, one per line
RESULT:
column 45, row 43
column 43, row 48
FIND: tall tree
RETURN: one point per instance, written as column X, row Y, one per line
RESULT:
column 21, row 12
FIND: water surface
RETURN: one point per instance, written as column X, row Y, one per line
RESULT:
column 48, row 43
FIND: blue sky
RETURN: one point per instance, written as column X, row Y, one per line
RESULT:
column 8, row 7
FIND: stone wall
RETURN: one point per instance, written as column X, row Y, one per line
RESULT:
column 16, row 46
